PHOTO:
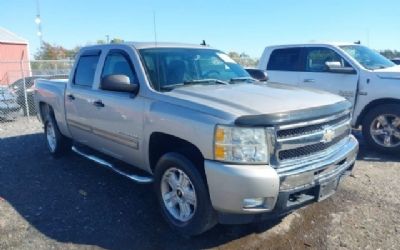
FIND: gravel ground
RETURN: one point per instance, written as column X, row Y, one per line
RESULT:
column 71, row 203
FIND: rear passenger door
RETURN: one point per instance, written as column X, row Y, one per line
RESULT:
column 284, row 65
column 316, row 74
column 79, row 97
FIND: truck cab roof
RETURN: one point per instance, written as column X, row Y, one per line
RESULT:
column 335, row 44
column 149, row 45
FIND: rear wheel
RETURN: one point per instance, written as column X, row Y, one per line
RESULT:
column 57, row 143
column 381, row 128
column 182, row 195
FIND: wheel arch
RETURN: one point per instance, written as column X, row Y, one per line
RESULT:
column 373, row 104
column 161, row 143
column 44, row 109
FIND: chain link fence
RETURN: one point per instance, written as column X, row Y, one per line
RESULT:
column 17, row 81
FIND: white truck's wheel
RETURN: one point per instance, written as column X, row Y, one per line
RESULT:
column 183, row 195
column 381, row 128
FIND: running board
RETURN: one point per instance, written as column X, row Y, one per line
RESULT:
column 133, row 177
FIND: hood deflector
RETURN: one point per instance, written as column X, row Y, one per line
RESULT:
column 294, row 116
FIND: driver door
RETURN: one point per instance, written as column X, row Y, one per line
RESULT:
column 315, row 73
column 117, row 117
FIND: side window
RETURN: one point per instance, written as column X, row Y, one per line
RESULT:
column 284, row 59
column 316, row 59
column 117, row 63
column 85, row 70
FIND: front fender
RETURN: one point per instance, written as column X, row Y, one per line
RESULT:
column 186, row 124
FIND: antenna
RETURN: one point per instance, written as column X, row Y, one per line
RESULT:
column 157, row 57
column 155, row 28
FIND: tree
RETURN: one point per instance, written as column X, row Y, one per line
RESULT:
column 114, row 40
column 390, row 53
column 234, row 55
column 48, row 51
column 243, row 59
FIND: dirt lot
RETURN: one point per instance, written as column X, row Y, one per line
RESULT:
column 73, row 203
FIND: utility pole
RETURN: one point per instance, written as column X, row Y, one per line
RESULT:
column 38, row 22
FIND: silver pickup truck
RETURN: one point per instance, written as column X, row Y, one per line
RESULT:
column 219, row 146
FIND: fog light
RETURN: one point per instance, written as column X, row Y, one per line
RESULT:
column 297, row 180
column 253, row 202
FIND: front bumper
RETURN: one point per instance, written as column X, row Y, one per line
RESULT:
column 282, row 191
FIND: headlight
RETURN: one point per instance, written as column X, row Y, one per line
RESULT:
column 240, row 145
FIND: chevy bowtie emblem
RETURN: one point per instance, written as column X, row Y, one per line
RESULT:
column 329, row 135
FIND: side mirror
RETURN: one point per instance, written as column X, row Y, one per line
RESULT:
column 336, row 67
column 119, row 83
column 258, row 74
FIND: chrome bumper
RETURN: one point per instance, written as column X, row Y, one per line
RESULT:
column 230, row 185
column 301, row 176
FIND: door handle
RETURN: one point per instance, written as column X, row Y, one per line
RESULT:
column 308, row 80
column 71, row 97
column 98, row 103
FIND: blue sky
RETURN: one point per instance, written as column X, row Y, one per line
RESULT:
column 235, row 25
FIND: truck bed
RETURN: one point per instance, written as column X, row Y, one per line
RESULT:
column 52, row 92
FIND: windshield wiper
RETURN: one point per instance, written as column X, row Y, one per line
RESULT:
column 210, row 80
column 242, row 79
column 193, row 82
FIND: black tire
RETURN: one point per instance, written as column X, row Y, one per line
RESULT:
column 386, row 109
column 204, row 216
column 62, row 143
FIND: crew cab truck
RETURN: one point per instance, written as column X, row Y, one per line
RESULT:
column 368, row 80
column 218, row 146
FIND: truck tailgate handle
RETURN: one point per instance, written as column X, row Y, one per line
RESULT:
column 309, row 80
column 98, row 103
column 71, row 97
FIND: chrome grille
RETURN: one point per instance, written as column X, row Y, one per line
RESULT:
column 310, row 149
column 311, row 139
column 311, row 128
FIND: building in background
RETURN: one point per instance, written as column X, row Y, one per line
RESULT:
column 14, row 57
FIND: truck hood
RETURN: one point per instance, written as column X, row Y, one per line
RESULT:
column 389, row 73
column 252, row 99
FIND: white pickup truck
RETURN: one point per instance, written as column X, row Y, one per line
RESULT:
column 218, row 146
column 368, row 80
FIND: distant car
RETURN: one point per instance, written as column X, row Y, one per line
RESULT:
column 396, row 61
column 18, row 89
column 9, row 109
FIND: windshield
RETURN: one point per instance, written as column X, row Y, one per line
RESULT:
column 367, row 57
column 173, row 67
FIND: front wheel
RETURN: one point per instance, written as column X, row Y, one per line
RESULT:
column 381, row 128
column 182, row 195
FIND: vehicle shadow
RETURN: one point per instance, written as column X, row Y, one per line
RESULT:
column 74, row 200
column 367, row 153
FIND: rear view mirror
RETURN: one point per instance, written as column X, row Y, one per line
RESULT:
column 119, row 83
column 336, row 67
column 258, row 74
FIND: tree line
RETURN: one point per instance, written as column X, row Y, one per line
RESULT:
column 48, row 51
column 56, row 52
